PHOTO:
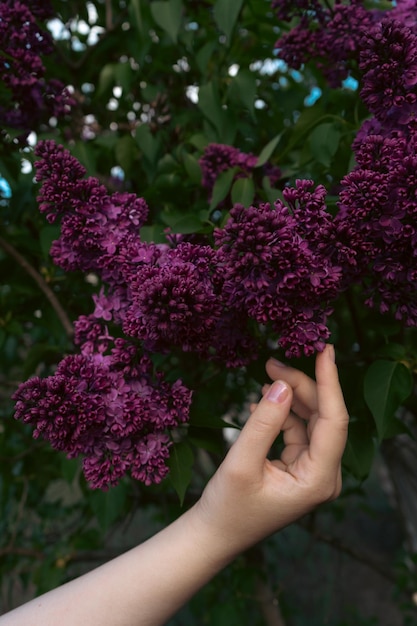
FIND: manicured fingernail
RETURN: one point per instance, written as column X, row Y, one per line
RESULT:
column 277, row 392
column 276, row 362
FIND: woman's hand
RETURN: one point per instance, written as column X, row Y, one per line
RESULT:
column 250, row 496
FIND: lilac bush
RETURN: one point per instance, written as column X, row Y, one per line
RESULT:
column 30, row 98
column 268, row 272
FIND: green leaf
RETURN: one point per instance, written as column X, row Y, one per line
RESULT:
column 106, row 79
column 222, row 187
column 225, row 14
column 180, row 465
column 392, row 350
column 387, row 384
column 147, row 143
column 185, row 224
column 125, row 151
column 209, row 103
column 192, row 168
column 136, row 15
column 153, row 234
column 360, row 451
column 324, row 142
column 84, row 152
column 204, row 55
column 168, row 15
column 267, row 151
column 272, row 193
column 123, row 75
column 199, row 141
column 243, row 90
column 108, row 505
column 243, row 192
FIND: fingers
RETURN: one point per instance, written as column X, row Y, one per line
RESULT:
column 322, row 404
column 329, row 434
column 262, row 427
column 304, row 388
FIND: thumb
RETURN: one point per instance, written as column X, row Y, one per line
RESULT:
column 264, row 425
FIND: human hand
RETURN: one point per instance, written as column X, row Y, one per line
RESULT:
column 250, row 496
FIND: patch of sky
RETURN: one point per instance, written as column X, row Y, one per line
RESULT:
column 350, row 83
column 191, row 92
column 117, row 172
column 313, row 96
column 5, row 189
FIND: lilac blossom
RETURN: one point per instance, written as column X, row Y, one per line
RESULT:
column 99, row 231
column 281, row 266
column 176, row 302
column 388, row 60
column 378, row 202
column 30, row 99
column 110, row 409
column 327, row 35
column 377, row 220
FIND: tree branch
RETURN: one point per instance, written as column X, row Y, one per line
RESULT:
column 43, row 286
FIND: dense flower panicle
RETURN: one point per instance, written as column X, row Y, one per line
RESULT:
column 404, row 11
column 110, row 409
column 328, row 35
column 95, row 227
column 174, row 303
column 281, row 265
column 388, row 59
column 377, row 219
column 31, row 99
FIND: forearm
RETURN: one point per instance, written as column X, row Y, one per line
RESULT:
column 142, row 587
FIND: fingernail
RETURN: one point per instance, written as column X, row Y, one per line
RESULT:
column 276, row 362
column 277, row 392
column 331, row 352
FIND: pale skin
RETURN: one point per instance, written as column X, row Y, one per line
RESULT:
column 249, row 498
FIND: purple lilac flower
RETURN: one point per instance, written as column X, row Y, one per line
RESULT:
column 29, row 99
column 388, row 60
column 378, row 202
column 99, row 232
column 110, row 409
column 329, row 36
column 377, row 219
column 281, row 266
column 177, row 302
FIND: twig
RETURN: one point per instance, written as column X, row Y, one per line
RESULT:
column 53, row 300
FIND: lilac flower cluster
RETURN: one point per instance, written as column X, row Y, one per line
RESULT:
column 111, row 409
column 327, row 35
column 281, row 265
column 166, row 295
column 218, row 158
column 378, row 203
column 29, row 99
column 99, row 232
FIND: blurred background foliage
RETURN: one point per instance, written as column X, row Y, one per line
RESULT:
column 154, row 84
